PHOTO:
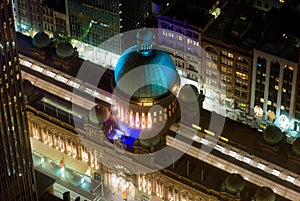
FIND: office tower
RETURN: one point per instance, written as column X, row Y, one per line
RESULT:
column 96, row 21
column 17, row 182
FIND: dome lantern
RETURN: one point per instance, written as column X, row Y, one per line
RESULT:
column 144, row 42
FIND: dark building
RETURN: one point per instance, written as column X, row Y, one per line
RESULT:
column 17, row 180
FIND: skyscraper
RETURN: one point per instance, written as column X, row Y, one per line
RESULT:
column 94, row 22
column 17, row 181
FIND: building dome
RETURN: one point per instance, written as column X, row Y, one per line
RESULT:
column 146, row 77
column 64, row 50
column 296, row 147
column 272, row 135
column 150, row 142
column 144, row 42
column 99, row 114
column 144, row 35
column 41, row 40
column 234, row 183
column 189, row 93
column 264, row 194
column 145, row 73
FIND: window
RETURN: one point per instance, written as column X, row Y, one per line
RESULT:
column 276, row 172
column 261, row 166
column 247, row 160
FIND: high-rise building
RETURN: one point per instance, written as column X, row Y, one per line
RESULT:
column 17, row 181
column 94, row 22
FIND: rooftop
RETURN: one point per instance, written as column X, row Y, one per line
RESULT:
column 280, row 37
column 237, row 25
column 193, row 12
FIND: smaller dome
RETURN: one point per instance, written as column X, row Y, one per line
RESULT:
column 296, row 147
column 99, row 114
column 28, row 88
column 272, row 135
column 64, row 50
column 144, row 35
column 41, row 40
column 144, row 42
column 189, row 93
column 153, row 141
column 234, row 183
column 264, row 194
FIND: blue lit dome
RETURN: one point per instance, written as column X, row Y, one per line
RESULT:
column 41, row 40
column 142, row 72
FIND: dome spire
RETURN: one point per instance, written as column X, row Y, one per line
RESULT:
column 144, row 42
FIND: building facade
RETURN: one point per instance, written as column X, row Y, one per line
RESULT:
column 17, row 171
column 227, row 74
column 32, row 16
column 273, row 88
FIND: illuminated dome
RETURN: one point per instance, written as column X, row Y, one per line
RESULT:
column 264, row 194
column 41, row 40
column 189, row 93
column 272, row 135
column 64, row 50
column 296, row 147
column 234, row 183
column 146, row 87
column 145, row 73
column 99, row 114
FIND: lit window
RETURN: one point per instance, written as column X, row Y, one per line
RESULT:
column 25, row 63
column 204, row 141
column 261, row 166
column 262, row 100
column 61, row 78
column 284, row 90
column 96, row 94
column 219, row 148
column 51, row 74
column 88, row 90
column 76, row 85
column 247, row 160
column 37, row 68
column 232, row 154
column 290, row 179
column 276, row 172
column 276, row 87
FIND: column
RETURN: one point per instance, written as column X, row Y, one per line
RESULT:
column 265, row 105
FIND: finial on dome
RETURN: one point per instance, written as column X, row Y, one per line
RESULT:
column 144, row 42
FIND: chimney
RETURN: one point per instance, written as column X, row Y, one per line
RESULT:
column 67, row 196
